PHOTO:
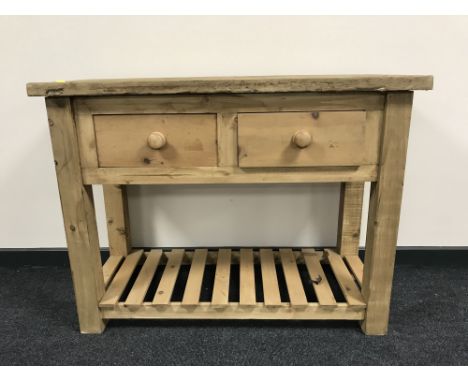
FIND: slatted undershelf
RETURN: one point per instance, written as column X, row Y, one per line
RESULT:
column 233, row 284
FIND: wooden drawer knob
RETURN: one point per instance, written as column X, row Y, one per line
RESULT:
column 156, row 140
column 301, row 139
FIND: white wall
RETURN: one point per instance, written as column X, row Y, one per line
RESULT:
column 435, row 204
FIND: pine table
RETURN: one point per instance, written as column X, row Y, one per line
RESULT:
column 242, row 130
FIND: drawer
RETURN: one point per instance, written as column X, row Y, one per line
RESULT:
column 170, row 140
column 301, row 139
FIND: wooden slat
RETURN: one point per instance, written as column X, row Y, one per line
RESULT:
column 143, row 281
column 356, row 266
column 221, row 283
column 293, row 279
column 247, row 278
column 195, row 278
column 166, row 285
column 320, row 283
column 271, row 293
column 110, row 267
column 120, row 280
column 345, row 279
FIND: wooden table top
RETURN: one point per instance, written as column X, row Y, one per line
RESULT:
column 231, row 85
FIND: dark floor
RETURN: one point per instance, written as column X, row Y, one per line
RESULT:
column 428, row 326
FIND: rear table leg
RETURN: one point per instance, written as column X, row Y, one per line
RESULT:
column 349, row 225
column 118, row 227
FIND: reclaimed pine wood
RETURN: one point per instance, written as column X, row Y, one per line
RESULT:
column 78, row 216
column 286, row 258
column 97, row 138
column 229, row 103
column 84, row 119
column 356, row 266
column 293, row 279
column 319, row 280
column 345, row 279
column 229, row 175
column 143, row 281
column 110, row 268
column 118, row 224
column 247, row 294
column 195, row 278
column 226, row 108
column 338, row 138
column 121, row 279
column 221, row 283
column 166, row 285
column 384, row 213
column 227, row 139
column 191, row 140
column 271, row 293
column 349, row 220
column 206, row 311
column 206, row 85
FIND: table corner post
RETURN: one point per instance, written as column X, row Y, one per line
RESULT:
column 78, row 215
column 384, row 213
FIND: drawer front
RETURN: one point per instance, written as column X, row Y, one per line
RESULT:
column 171, row 140
column 301, row 139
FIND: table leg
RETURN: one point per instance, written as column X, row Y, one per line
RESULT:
column 384, row 213
column 78, row 215
column 349, row 222
column 118, row 226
